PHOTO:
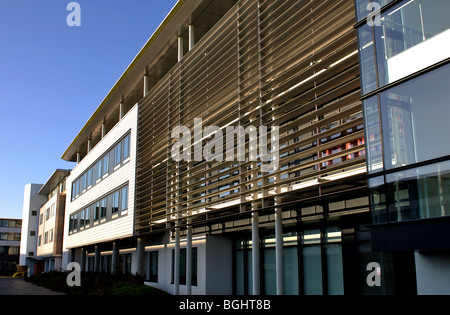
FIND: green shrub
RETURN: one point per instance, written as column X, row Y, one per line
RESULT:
column 96, row 284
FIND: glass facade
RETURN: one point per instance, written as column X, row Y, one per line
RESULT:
column 365, row 7
column 406, row 122
column 312, row 262
column 411, row 35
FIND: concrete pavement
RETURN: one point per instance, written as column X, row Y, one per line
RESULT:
column 11, row 286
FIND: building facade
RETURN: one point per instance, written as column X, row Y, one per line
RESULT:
column 10, row 230
column 332, row 165
column 51, row 221
column 32, row 202
column 290, row 67
column 404, row 56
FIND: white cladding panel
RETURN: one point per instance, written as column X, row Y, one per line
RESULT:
column 117, row 228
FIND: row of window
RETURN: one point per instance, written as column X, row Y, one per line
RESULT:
column 48, row 238
column 107, row 164
column 108, row 208
column 49, row 213
column 9, row 236
column 10, row 251
column 11, row 223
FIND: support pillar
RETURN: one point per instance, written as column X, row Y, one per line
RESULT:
column 279, row 262
column 89, row 145
column 103, row 129
column 115, row 261
column 83, row 259
column 176, row 273
column 255, row 253
column 121, row 110
column 140, row 256
column 97, row 259
column 191, row 36
column 189, row 259
column 180, row 48
column 145, row 85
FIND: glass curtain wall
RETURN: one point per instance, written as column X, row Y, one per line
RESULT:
column 312, row 263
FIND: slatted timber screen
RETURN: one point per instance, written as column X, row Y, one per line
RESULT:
column 286, row 63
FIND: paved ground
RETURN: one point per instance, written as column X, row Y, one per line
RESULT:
column 11, row 286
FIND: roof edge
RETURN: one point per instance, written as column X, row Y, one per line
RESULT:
column 139, row 56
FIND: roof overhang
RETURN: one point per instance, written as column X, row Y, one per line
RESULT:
column 135, row 71
column 53, row 181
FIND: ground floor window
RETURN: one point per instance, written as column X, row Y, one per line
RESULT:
column 183, row 266
column 151, row 267
column 312, row 262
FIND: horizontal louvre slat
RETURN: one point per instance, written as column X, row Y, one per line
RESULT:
column 285, row 63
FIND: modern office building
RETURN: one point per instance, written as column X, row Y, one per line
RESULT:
column 32, row 202
column 51, row 221
column 333, row 162
column 10, row 230
column 190, row 226
column 404, row 57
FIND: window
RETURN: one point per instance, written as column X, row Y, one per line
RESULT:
column 97, row 211
column 183, row 266
column 46, row 238
column 34, row 213
column 115, row 202
column 410, row 122
column 47, row 214
column 75, row 221
column 412, row 29
column 124, row 198
column 99, row 168
column 106, row 164
column 89, row 178
column 108, row 208
column 83, row 182
column 102, row 168
column 51, row 236
column 153, row 272
column 40, row 240
column 103, row 209
column 32, row 233
column 13, row 251
column 82, row 215
column 118, row 154
column 41, row 219
column 52, row 210
column 126, row 147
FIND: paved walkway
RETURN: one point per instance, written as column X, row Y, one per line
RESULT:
column 11, row 286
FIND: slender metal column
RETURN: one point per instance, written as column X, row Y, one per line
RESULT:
column 279, row 262
column 180, row 48
column 191, row 36
column 103, row 129
column 89, row 145
column 140, row 256
column 115, row 261
column 255, row 254
column 121, row 111
column 97, row 259
column 176, row 272
column 145, row 85
column 83, row 259
column 189, row 259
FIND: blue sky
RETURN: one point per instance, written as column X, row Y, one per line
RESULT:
column 53, row 77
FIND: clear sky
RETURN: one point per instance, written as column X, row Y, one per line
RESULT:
column 53, row 77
